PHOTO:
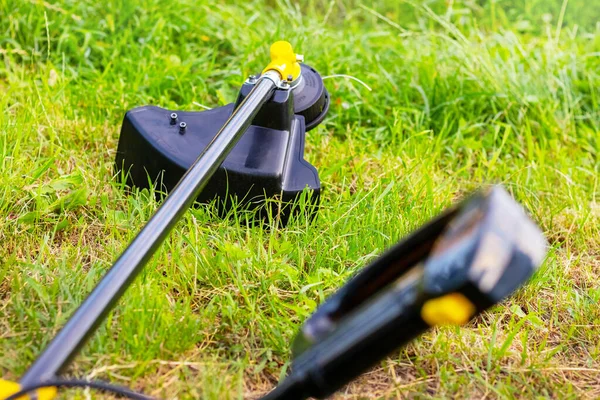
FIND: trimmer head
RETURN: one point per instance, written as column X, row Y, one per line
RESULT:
column 157, row 146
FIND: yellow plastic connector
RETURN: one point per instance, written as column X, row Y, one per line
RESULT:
column 450, row 309
column 8, row 388
column 284, row 60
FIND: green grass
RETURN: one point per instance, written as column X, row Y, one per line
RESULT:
column 464, row 94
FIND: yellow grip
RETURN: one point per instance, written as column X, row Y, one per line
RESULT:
column 450, row 309
column 284, row 60
column 8, row 388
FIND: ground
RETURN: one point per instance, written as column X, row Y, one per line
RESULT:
column 457, row 95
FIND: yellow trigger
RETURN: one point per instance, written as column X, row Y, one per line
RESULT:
column 450, row 309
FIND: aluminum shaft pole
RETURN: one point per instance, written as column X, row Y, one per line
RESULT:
column 103, row 298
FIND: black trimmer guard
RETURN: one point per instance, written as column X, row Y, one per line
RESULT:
column 157, row 146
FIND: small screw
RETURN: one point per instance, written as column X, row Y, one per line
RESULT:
column 284, row 85
column 252, row 79
column 173, row 118
column 182, row 126
column 290, row 78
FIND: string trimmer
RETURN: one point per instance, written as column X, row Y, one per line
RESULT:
column 447, row 272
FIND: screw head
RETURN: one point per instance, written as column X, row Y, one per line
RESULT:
column 290, row 78
column 182, row 127
column 173, row 118
column 252, row 79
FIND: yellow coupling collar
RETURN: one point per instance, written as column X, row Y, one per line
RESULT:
column 284, row 61
column 8, row 388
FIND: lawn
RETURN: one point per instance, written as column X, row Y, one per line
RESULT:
column 458, row 95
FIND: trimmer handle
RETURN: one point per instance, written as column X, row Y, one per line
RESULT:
column 470, row 258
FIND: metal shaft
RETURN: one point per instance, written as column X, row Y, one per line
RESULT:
column 94, row 309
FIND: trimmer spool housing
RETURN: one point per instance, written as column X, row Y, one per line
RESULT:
column 157, row 146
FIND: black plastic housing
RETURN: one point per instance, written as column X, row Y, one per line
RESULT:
column 484, row 249
column 267, row 163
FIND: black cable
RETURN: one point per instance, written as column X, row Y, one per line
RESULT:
column 289, row 389
column 81, row 383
